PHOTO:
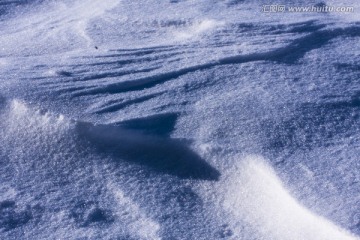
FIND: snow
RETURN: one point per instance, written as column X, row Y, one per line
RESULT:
column 178, row 120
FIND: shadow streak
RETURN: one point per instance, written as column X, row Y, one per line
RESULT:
column 289, row 54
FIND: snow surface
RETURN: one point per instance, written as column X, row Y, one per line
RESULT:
column 178, row 119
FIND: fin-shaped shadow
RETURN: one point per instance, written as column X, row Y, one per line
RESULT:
column 150, row 147
column 160, row 124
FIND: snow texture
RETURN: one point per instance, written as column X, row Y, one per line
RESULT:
column 178, row 119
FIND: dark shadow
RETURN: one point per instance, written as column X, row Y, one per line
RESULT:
column 160, row 124
column 175, row 1
column 231, row 3
column 64, row 73
column 3, row 103
column 146, row 142
column 302, row 27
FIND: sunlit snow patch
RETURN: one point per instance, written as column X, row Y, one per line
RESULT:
column 137, row 223
column 256, row 196
column 53, row 27
column 197, row 29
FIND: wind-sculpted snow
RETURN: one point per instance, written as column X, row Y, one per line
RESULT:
column 265, row 204
column 178, row 120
